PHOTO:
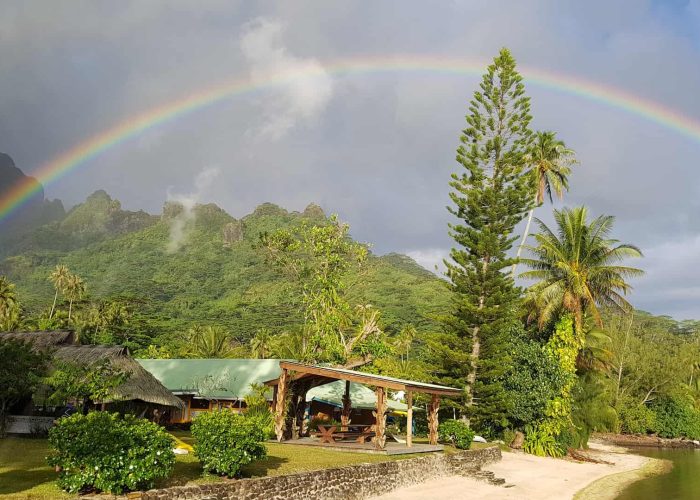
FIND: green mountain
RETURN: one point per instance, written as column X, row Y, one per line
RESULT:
column 36, row 210
column 216, row 274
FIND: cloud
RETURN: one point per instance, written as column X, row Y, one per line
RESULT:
column 306, row 86
column 430, row 258
column 183, row 221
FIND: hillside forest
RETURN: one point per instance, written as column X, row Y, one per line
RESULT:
column 556, row 354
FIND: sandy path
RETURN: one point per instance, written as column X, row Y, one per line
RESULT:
column 526, row 476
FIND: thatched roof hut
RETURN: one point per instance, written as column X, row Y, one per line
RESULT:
column 140, row 385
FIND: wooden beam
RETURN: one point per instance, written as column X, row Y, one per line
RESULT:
column 281, row 406
column 433, row 419
column 353, row 377
column 409, row 419
column 380, row 419
column 347, row 408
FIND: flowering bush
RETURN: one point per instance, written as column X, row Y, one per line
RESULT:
column 456, row 433
column 103, row 451
column 225, row 441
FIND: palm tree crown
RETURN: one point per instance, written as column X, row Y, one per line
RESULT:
column 8, row 297
column 578, row 267
column 551, row 164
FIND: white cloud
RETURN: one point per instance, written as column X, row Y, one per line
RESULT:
column 180, row 225
column 306, row 86
column 430, row 258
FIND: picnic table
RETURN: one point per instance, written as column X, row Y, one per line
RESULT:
column 356, row 432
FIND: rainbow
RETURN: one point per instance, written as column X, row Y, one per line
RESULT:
column 89, row 149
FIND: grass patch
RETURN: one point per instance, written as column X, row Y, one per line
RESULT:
column 24, row 473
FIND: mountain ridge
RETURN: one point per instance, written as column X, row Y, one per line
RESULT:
column 217, row 275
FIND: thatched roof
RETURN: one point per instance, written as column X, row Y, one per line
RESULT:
column 42, row 340
column 140, row 385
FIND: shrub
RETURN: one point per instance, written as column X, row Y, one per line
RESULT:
column 533, row 380
column 106, row 452
column 540, row 442
column 456, row 433
column 677, row 416
column 257, row 408
column 637, row 419
column 225, row 442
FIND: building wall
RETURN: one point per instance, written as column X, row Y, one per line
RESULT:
column 194, row 406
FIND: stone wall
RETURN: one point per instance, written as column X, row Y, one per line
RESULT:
column 351, row 482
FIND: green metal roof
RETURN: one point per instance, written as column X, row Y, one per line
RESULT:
column 233, row 377
column 361, row 396
column 224, row 378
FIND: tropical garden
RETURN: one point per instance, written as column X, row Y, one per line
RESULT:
column 532, row 319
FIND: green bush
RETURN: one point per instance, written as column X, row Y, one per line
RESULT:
column 637, row 419
column 540, row 442
column 533, row 379
column 225, row 441
column 103, row 451
column 456, row 433
column 257, row 408
column 677, row 416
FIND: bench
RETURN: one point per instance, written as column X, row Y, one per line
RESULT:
column 328, row 434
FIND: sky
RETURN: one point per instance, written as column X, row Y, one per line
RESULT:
column 377, row 148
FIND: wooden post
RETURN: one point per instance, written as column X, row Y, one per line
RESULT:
column 409, row 419
column 380, row 419
column 347, row 408
column 433, row 419
column 280, row 405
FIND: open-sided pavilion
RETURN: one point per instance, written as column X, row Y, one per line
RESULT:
column 298, row 378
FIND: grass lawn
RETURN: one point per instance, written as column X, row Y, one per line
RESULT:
column 24, row 473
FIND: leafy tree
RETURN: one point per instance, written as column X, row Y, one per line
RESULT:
column 260, row 344
column 490, row 197
column 74, row 290
column 8, row 296
column 318, row 259
column 84, row 383
column 550, row 165
column 208, row 342
column 577, row 268
column 59, row 277
column 20, row 374
column 9, row 306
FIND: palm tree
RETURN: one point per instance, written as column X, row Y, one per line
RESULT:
column 8, row 297
column 59, row 277
column 209, row 342
column 551, row 163
column 75, row 290
column 260, row 344
column 578, row 268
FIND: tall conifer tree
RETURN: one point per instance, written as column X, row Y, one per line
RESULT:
column 490, row 196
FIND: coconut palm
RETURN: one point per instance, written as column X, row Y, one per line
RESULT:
column 74, row 290
column 209, row 342
column 260, row 344
column 59, row 277
column 8, row 297
column 550, row 165
column 577, row 268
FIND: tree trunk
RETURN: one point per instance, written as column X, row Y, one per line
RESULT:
column 70, row 308
column 523, row 240
column 476, row 349
column 53, row 307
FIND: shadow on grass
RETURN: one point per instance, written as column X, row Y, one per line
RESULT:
column 262, row 467
column 20, row 480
